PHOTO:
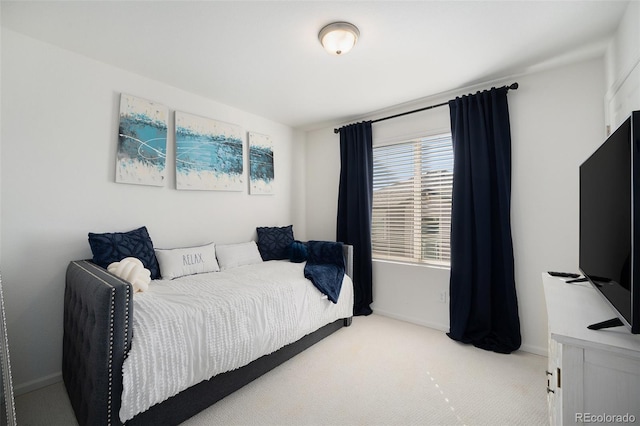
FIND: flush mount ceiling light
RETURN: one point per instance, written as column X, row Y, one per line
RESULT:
column 338, row 38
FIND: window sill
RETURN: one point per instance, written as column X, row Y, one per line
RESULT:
column 416, row 264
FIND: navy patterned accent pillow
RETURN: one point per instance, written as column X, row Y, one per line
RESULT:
column 113, row 247
column 274, row 243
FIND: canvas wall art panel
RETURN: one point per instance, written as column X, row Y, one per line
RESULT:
column 142, row 142
column 261, row 170
column 209, row 154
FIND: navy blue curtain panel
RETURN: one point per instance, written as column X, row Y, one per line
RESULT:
column 355, row 197
column 483, row 304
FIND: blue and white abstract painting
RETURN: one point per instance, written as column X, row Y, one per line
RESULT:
column 261, row 175
column 142, row 142
column 209, row 154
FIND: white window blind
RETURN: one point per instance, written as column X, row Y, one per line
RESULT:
column 412, row 186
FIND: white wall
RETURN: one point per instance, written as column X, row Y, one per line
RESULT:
column 623, row 68
column 0, row 140
column 298, row 182
column 322, row 176
column 59, row 138
column 557, row 119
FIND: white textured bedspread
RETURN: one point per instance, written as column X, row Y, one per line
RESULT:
column 192, row 328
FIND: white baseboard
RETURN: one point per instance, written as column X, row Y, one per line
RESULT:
column 37, row 383
column 445, row 327
column 435, row 326
column 536, row 350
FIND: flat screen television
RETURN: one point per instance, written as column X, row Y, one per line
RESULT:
column 610, row 223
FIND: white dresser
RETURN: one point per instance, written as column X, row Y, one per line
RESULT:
column 593, row 375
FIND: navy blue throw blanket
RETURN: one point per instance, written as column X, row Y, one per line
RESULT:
column 325, row 267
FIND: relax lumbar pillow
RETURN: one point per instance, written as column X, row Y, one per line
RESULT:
column 131, row 269
column 179, row 262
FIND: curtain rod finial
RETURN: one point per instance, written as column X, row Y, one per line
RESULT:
column 514, row 86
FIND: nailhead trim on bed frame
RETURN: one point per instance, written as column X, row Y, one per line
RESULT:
column 126, row 342
column 111, row 337
column 113, row 298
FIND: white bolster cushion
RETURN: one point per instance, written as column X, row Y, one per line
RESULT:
column 234, row 255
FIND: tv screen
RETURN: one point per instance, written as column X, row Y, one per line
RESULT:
column 607, row 255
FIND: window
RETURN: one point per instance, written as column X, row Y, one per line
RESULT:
column 412, row 186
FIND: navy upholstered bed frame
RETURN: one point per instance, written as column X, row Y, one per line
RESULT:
column 98, row 307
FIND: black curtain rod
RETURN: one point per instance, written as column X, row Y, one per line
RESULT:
column 512, row 86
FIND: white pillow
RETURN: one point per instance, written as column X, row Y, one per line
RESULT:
column 178, row 262
column 234, row 255
column 131, row 269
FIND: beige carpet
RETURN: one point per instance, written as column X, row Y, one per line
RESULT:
column 379, row 371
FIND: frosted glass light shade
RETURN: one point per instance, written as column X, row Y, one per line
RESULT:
column 339, row 37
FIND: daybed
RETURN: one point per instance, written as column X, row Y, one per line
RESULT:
column 101, row 316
